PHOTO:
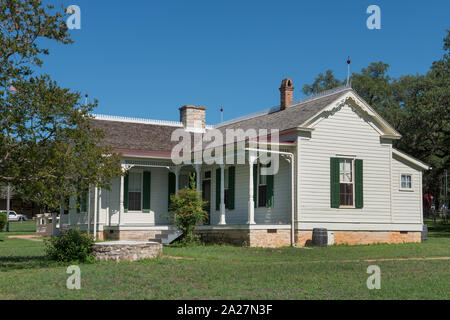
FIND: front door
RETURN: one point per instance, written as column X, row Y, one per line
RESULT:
column 206, row 196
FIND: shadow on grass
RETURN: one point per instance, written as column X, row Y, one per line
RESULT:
column 30, row 262
column 438, row 230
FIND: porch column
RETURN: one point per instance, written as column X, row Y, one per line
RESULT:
column 222, row 194
column 54, row 220
column 108, row 212
column 61, row 215
column 95, row 211
column 177, row 178
column 121, row 196
column 198, row 168
column 251, row 203
column 89, row 210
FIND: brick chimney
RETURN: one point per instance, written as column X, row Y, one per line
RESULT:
column 286, row 94
column 193, row 117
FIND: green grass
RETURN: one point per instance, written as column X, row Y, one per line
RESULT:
column 225, row 272
column 25, row 227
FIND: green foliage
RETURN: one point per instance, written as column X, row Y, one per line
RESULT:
column 187, row 211
column 48, row 149
column 3, row 220
column 72, row 245
column 416, row 105
column 322, row 82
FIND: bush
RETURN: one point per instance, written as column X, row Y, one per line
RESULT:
column 3, row 220
column 187, row 209
column 72, row 245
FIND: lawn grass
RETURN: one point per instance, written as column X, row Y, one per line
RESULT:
column 22, row 227
column 225, row 272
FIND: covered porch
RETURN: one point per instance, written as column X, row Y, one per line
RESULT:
column 242, row 202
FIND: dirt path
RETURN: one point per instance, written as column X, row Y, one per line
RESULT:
column 27, row 237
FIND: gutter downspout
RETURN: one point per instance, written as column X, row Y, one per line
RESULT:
column 291, row 156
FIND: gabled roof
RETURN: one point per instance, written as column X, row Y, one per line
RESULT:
column 304, row 113
column 129, row 135
column 292, row 117
column 410, row 159
column 135, row 134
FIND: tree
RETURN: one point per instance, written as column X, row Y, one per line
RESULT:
column 187, row 210
column 48, row 150
column 321, row 83
column 426, row 126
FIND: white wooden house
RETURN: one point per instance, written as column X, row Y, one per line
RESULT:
column 338, row 171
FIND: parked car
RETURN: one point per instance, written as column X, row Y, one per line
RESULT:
column 13, row 216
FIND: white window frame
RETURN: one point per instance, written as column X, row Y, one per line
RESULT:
column 401, row 188
column 352, row 159
column 141, row 172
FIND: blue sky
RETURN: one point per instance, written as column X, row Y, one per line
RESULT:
column 147, row 58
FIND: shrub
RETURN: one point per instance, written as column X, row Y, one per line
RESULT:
column 72, row 245
column 3, row 220
column 187, row 209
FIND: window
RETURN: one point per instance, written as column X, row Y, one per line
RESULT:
column 226, row 184
column 406, row 181
column 262, row 187
column 184, row 181
column 346, row 184
column 134, row 191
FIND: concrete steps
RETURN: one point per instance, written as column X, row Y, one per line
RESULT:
column 167, row 236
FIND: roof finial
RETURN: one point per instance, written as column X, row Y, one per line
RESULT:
column 348, row 71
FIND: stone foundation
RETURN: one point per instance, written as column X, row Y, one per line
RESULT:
column 268, row 238
column 363, row 237
column 128, row 235
column 275, row 238
column 126, row 250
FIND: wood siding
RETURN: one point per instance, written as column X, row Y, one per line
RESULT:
column 407, row 204
column 343, row 133
column 346, row 132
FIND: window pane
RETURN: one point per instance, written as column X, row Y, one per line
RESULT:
column 345, row 170
column 134, row 201
column 261, row 196
column 408, row 182
column 134, row 182
column 226, row 199
column 184, row 181
column 225, row 182
column 262, row 178
column 346, row 194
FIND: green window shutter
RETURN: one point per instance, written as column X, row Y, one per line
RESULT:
column 231, row 179
column 66, row 205
column 335, row 194
column 255, row 184
column 78, row 203
column 171, row 186
column 359, row 202
column 146, row 191
column 84, row 197
column 125, row 193
column 218, row 189
column 269, row 191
